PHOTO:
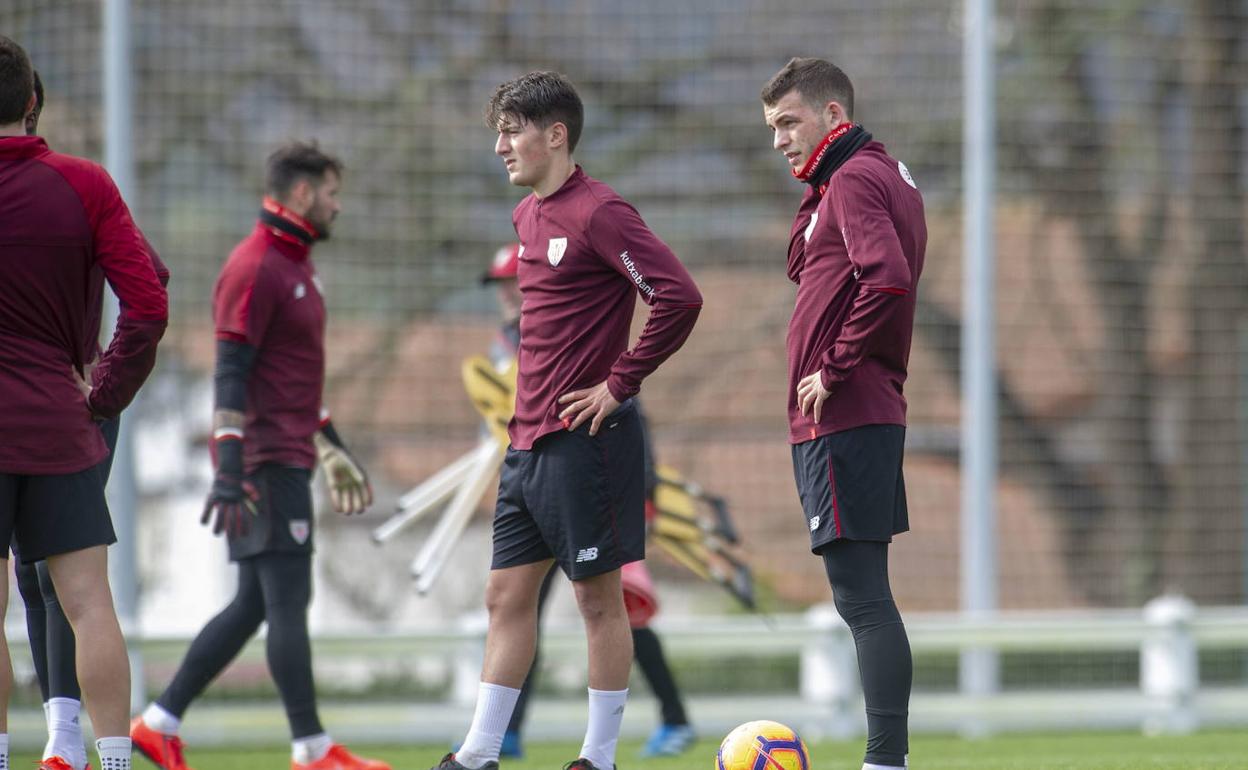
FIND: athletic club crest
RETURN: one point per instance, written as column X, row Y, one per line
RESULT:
column 299, row 530
column 554, row 252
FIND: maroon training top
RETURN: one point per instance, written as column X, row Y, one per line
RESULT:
column 64, row 229
column 856, row 259
column 585, row 254
column 268, row 296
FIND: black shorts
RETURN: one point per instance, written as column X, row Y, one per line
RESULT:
column 110, row 429
column 283, row 522
column 576, row 498
column 50, row 515
column 851, row 484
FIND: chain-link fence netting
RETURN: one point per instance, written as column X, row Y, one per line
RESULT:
column 1121, row 285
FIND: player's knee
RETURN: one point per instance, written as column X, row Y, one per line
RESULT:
column 286, row 618
column 87, row 606
column 599, row 600
column 506, row 599
column 864, row 616
column 286, row 605
column 512, row 594
column 247, row 606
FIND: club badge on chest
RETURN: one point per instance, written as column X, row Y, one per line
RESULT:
column 555, row 250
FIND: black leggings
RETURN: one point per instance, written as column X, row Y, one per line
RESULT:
column 858, row 572
column 51, row 637
column 275, row 588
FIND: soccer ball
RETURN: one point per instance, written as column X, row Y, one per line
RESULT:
column 762, row 745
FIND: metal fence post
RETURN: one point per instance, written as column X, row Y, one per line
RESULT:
column 1169, row 666
column 828, row 673
column 466, row 663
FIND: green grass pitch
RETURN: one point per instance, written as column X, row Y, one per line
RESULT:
column 1078, row 751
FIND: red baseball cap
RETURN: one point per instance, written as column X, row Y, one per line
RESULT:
column 506, row 264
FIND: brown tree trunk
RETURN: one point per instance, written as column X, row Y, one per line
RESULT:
column 1118, row 553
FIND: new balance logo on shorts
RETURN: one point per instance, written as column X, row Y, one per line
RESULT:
column 814, row 523
column 586, row 554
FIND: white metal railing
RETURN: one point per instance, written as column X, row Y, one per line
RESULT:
column 1167, row 634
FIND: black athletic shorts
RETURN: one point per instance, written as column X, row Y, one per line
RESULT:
column 851, row 484
column 283, row 523
column 109, row 428
column 50, row 515
column 576, row 498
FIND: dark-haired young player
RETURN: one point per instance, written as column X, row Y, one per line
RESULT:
column 572, row 490
column 855, row 253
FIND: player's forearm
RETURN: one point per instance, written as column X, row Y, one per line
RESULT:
column 229, row 379
column 227, row 424
column 870, row 312
column 229, row 416
column 124, row 367
column 666, row 331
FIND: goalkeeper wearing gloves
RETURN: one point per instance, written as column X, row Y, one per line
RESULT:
column 269, row 430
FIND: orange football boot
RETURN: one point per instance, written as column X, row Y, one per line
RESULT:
column 338, row 758
column 165, row 751
column 58, row 763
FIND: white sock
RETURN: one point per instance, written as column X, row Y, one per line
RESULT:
column 4, row 751
column 485, row 737
column 310, row 748
column 159, row 719
column 65, row 732
column 869, row 766
column 606, row 712
column 114, row 753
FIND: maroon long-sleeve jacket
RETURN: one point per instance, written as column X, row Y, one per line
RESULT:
column 585, row 257
column 856, row 255
column 64, row 230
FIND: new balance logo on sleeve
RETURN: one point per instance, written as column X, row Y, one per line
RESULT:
column 586, row 554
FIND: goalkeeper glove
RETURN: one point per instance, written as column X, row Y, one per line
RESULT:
column 232, row 498
column 349, row 488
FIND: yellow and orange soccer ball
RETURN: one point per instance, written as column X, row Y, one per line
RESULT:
column 762, row 745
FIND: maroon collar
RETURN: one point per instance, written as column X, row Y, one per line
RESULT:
column 16, row 147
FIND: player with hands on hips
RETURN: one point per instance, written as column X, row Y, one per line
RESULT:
column 572, row 489
column 64, row 231
column 856, row 250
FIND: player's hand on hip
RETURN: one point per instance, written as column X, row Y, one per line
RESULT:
column 231, row 505
column 349, row 487
column 811, row 394
column 593, row 404
column 83, row 381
